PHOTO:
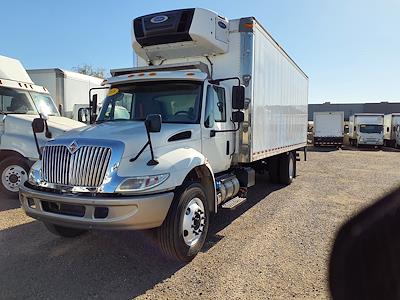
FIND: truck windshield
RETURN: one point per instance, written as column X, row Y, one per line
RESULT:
column 371, row 128
column 14, row 101
column 44, row 104
column 176, row 102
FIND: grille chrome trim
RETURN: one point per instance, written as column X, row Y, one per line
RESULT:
column 86, row 167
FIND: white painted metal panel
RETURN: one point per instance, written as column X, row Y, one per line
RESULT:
column 12, row 69
column 280, row 99
column 390, row 124
column 328, row 124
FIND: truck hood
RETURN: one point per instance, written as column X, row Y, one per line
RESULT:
column 131, row 133
column 58, row 124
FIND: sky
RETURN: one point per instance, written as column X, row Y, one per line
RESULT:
column 350, row 49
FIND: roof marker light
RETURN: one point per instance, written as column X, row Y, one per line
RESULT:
column 249, row 25
column 152, row 74
column 190, row 74
column 19, row 83
column 1, row 82
column 131, row 75
column 141, row 75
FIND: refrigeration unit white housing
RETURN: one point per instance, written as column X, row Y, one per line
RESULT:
column 180, row 33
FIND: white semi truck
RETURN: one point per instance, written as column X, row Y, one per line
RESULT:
column 391, row 122
column 180, row 135
column 328, row 128
column 21, row 101
column 70, row 90
column 366, row 129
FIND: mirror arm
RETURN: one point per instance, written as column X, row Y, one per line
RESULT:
column 151, row 162
column 217, row 81
column 214, row 132
column 37, row 143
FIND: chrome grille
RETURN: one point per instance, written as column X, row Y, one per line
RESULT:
column 86, row 167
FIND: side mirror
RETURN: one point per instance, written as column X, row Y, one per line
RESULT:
column 238, row 97
column 38, row 125
column 153, row 123
column 237, row 116
column 83, row 115
column 93, row 109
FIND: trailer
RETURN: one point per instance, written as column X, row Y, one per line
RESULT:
column 366, row 129
column 180, row 136
column 328, row 128
column 391, row 122
column 70, row 90
column 21, row 101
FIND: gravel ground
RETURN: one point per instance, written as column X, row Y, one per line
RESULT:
column 275, row 246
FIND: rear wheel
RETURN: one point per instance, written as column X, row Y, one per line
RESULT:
column 287, row 168
column 14, row 172
column 184, row 230
column 64, row 231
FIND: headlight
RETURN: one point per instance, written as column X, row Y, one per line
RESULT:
column 35, row 173
column 141, row 183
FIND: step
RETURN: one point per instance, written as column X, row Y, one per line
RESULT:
column 233, row 203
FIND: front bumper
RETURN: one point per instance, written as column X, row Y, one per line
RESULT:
column 371, row 142
column 134, row 212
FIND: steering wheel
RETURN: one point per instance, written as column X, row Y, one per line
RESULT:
column 182, row 112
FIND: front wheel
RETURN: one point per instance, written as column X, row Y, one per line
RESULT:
column 184, row 230
column 14, row 172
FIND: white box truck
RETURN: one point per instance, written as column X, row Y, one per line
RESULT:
column 21, row 101
column 70, row 90
column 182, row 134
column 391, row 122
column 366, row 129
column 328, row 128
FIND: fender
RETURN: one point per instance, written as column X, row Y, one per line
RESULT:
column 179, row 163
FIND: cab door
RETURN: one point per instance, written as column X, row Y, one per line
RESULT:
column 217, row 147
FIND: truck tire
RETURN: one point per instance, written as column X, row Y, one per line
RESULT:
column 273, row 168
column 14, row 172
column 287, row 168
column 64, row 231
column 184, row 230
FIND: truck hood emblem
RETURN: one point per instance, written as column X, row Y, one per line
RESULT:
column 73, row 147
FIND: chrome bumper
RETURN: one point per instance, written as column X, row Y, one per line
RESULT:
column 134, row 212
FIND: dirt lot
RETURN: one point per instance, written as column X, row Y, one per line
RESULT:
column 276, row 245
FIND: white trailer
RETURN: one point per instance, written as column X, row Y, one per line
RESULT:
column 366, row 129
column 21, row 101
column 70, row 90
column 211, row 102
column 328, row 128
column 391, row 122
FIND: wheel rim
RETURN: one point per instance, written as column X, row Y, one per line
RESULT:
column 13, row 176
column 193, row 222
column 291, row 168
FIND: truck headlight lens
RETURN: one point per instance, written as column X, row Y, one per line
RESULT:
column 35, row 173
column 141, row 183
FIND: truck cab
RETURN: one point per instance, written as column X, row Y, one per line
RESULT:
column 366, row 129
column 21, row 101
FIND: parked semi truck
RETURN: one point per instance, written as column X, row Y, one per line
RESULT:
column 181, row 135
column 328, row 128
column 366, row 129
column 21, row 101
column 70, row 90
column 391, row 122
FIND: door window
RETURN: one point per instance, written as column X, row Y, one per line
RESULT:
column 215, row 106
